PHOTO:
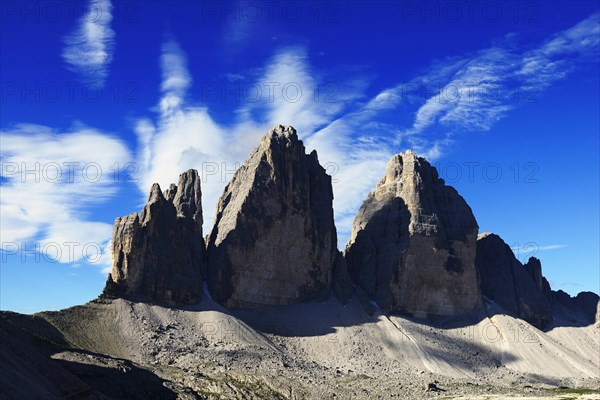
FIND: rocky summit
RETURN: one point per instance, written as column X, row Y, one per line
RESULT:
column 159, row 254
column 414, row 248
column 274, row 240
column 413, row 243
column 519, row 290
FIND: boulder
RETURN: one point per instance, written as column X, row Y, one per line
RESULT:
column 413, row 242
column 158, row 256
column 504, row 280
column 274, row 240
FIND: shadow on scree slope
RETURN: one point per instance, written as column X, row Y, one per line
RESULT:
column 37, row 362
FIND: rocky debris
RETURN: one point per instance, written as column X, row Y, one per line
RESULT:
column 582, row 308
column 27, row 371
column 598, row 314
column 413, row 243
column 274, row 240
column 113, row 377
column 518, row 290
column 158, row 255
column 39, row 363
column 127, row 349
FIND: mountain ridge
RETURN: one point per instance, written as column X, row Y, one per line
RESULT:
column 308, row 321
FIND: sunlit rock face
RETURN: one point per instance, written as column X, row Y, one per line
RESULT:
column 413, row 243
column 158, row 255
column 274, row 240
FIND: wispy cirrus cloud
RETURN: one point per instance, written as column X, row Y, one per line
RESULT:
column 185, row 135
column 457, row 95
column 557, row 56
column 354, row 135
column 241, row 25
column 531, row 246
column 175, row 78
column 48, row 191
column 473, row 92
column 552, row 247
column 531, row 249
column 328, row 117
column 89, row 47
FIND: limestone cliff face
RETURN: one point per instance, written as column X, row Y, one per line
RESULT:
column 413, row 243
column 581, row 309
column 158, row 255
column 534, row 269
column 274, row 240
column 521, row 291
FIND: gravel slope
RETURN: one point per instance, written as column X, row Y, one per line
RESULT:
column 113, row 349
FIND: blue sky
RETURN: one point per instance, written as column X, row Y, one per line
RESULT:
column 101, row 99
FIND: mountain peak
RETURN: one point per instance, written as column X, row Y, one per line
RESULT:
column 274, row 240
column 284, row 131
column 413, row 243
column 159, row 256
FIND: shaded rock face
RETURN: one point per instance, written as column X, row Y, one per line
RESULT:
column 583, row 308
column 342, row 285
column 413, row 243
column 587, row 302
column 274, row 240
column 521, row 291
column 534, row 269
column 158, row 255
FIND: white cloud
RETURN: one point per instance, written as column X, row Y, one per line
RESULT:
column 473, row 92
column 553, row 60
column 89, row 47
column 470, row 93
column 355, row 153
column 48, row 189
column 241, row 25
column 354, row 137
column 186, row 136
column 552, row 247
column 531, row 249
column 293, row 94
column 175, row 78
